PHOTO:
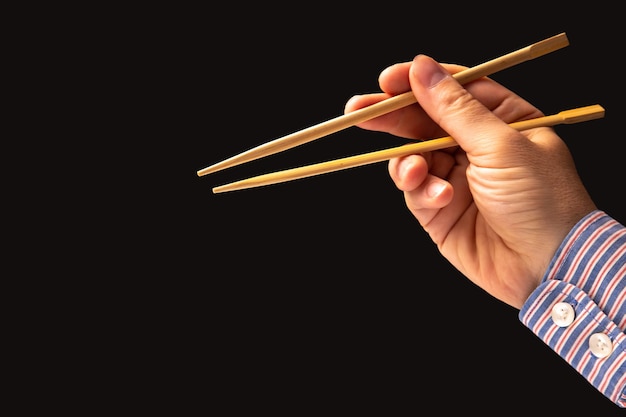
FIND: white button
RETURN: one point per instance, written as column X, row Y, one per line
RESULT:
column 563, row 314
column 600, row 345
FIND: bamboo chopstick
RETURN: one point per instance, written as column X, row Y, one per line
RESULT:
column 394, row 103
column 576, row 115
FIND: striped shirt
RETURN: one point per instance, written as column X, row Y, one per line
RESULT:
column 588, row 273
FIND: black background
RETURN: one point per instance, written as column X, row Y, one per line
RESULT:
column 323, row 295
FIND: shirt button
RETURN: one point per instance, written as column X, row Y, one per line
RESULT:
column 600, row 345
column 563, row 314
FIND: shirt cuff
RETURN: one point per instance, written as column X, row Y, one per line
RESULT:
column 579, row 310
column 584, row 336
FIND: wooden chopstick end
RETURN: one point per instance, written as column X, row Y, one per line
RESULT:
column 583, row 114
column 548, row 45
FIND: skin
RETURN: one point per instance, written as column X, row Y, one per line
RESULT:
column 499, row 204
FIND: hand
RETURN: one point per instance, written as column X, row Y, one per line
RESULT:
column 500, row 203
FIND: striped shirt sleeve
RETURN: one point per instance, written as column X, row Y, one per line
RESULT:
column 579, row 309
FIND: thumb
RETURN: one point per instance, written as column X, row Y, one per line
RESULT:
column 472, row 125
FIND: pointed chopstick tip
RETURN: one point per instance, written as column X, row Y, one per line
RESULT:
column 221, row 189
column 203, row 171
column 210, row 169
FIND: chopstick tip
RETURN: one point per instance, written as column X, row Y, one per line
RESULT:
column 219, row 189
column 227, row 163
column 234, row 186
column 208, row 170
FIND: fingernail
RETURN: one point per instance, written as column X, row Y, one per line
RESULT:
column 435, row 188
column 405, row 165
column 428, row 71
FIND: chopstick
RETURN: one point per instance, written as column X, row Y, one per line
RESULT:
column 576, row 115
column 394, row 103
